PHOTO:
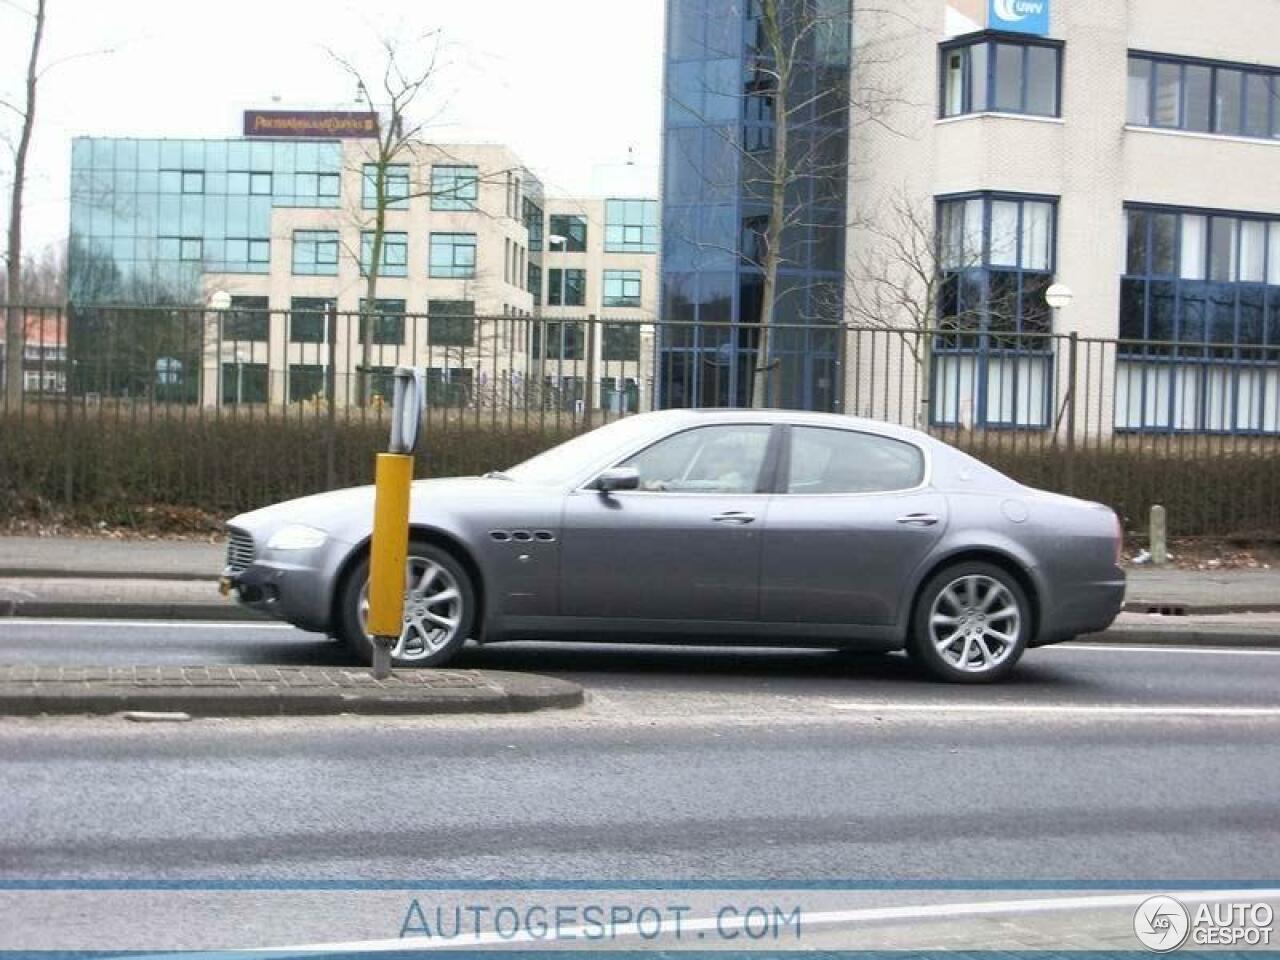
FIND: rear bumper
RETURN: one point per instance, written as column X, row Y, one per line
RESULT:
column 1083, row 608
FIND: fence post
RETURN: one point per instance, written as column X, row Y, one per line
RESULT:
column 588, row 402
column 1069, row 477
column 331, row 396
column 842, row 355
column 1159, row 536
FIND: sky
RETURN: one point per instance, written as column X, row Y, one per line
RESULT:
column 571, row 85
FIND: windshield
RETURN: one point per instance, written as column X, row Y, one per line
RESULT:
column 564, row 463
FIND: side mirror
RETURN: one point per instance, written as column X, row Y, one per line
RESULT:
column 618, row 478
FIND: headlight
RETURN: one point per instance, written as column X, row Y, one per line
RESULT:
column 296, row 537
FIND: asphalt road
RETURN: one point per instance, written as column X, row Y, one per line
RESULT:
column 694, row 765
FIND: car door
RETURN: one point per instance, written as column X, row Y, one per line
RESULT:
column 686, row 544
column 852, row 521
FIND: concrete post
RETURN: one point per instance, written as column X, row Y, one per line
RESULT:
column 1159, row 536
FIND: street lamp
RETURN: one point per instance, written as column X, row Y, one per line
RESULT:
column 1058, row 296
column 219, row 300
column 553, row 239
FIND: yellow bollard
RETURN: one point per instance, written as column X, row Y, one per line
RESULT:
column 388, row 554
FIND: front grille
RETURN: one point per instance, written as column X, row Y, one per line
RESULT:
column 239, row 550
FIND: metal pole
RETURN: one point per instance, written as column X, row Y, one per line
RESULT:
column 1070, row 472
column 331, row 395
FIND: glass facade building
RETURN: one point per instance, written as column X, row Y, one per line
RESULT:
column 149, row 217
column 721, row 116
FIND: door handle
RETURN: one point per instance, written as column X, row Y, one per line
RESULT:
column 918, row 519
column 734, row 516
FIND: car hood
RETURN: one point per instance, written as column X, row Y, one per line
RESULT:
column 347, row 514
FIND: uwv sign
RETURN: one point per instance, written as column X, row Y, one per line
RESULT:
column 1019, row 16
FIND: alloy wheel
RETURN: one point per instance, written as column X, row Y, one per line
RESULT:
column 433, row 610
column 974, row 623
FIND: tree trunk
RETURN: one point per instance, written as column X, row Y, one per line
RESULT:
column 14, row 333
column 370, row 311
column 765, row 366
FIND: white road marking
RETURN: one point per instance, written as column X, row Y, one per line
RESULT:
column 168, row 624
column 1154, row 648
column 1060, row 709
column 919, row 912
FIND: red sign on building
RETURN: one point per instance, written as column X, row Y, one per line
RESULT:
column 330, row 124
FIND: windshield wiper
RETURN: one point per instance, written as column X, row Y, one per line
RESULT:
column 498, row 475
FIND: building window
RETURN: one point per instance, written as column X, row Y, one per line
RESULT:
column 190, row 249
column 449, row 386
column 395, row 254
column 564, row 340
column 451, row 323
column 453, row 255
column 983, row 74
column 254, row 183
column 308, row 319
column 535, row 282
column 388, row 321
column 533, row 223
column 306, row 382
column 620, row 341
column 631, row 226
column 315, row 253
column 316, row 189
column 395, row 192
column 193, row 181
column 572, row 231
column 622, row 288
column 247, row 255
column 994, row 364
column 1199, row 322
column 454, row 188
column 244, row 382
column 566, row 288
column 1178, row 93
column 248, row 319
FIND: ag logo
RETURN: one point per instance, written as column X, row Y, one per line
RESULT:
column 1161, row 923
column 1006, row 10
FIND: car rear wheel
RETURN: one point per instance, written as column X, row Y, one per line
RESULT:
column 970, row 624
column 439, row 609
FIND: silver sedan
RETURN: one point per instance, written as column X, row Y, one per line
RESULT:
column 711, row 526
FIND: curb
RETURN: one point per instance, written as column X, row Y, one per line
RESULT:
column 61, row 573
column 1191, row 637
column 491, row 692
column 91, row 610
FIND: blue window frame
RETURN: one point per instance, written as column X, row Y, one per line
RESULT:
column 622, row 288
column 395, row 254
column 247, row 255
column 395, row 186
column 993, row 363
column 533, row 223
column 315, row 253
column 454, row 187
column 1203, row 96
column 453, row 255
column 631, row 226
column 993, row 72
column 1199, row 322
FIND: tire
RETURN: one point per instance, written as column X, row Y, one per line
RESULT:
column 446, row 597
column 953, row 633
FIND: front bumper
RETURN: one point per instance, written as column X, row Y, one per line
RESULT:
column 296, row 593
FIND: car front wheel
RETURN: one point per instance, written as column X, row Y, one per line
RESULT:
column 439, row 609
column 970, row 624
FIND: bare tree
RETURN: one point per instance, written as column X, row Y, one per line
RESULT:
column 27, row 112
column 795, row 109
column 401, row 86
column 905, row 280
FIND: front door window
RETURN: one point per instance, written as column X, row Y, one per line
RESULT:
column 721, row 459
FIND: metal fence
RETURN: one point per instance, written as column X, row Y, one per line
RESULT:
column 227, row 408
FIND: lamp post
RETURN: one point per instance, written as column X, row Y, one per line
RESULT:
column 1059, row 297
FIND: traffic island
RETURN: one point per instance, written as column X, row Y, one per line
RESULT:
column 253, row 691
